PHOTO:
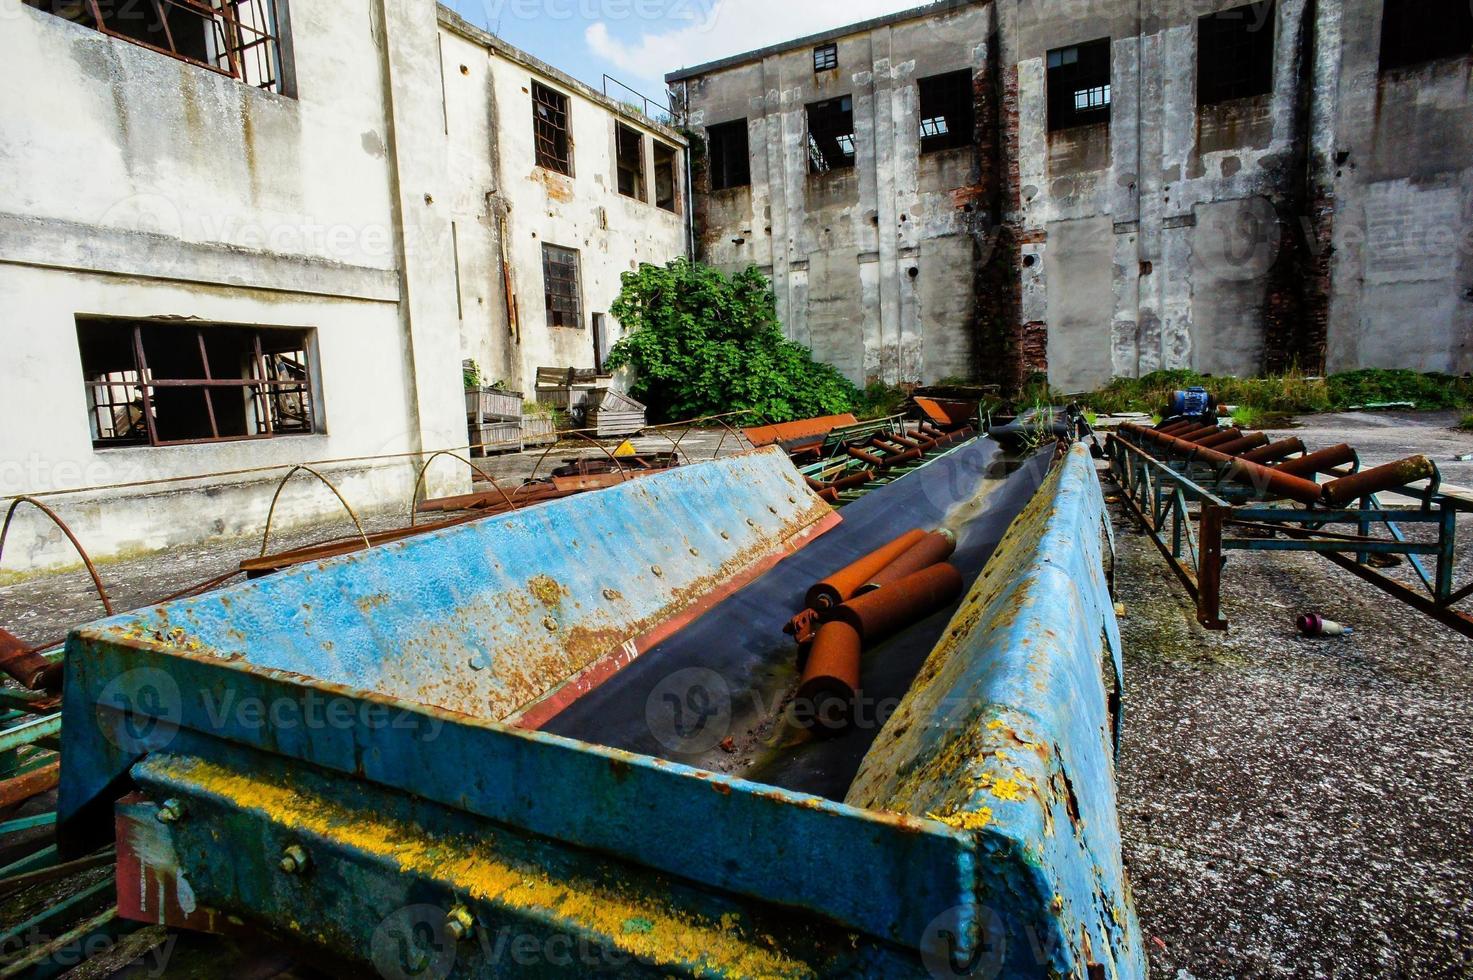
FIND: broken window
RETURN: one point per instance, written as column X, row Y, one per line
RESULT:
column 629, row 160
column 831, row 135
column 1235, row 53
column 665, row 176
column 1079, row 85
column 946, row 111
column 550, row 129
column 731, row 164
column 560, row 281
column 1416, row 31
column 825, row 57
column 239, row 38
column 157, row 383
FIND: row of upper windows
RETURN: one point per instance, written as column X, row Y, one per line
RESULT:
column 553, row 147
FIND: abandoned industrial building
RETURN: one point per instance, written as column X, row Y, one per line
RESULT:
column 981, row 490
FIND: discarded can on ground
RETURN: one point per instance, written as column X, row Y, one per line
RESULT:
column 1313, row 624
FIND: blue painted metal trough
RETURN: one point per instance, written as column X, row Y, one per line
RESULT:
column 343, row 754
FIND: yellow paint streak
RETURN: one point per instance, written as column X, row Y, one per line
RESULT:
column 672, row 937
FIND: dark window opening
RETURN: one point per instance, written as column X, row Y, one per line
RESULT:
column 831, row 135
column 1079, row 85
column 826, row 57
column 629, row 160
column 731, row 163
column 152, row 383
column 1235, row 53
column 946, row 111
column 550, row 129
column 664, row 176
column 1417, row 31
column 560, row 281
column 238, row 38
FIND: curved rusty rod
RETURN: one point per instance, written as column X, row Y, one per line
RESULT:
column 56, row 519
column 719, row 445
column 675, row 449
column 420, row 478
column 623, row 473
column 270, row 514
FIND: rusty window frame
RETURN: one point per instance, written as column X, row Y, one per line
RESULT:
column 629, row 162
column 831, row 142
column 1235, row 53
column 730, row 155
column 666, row 180
column 946, row 109
column 279, row 387
column 240, row 39
column 561, row 287
column 550, row 130
column 1414, row 33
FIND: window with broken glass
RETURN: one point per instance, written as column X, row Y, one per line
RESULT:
column 237, row 38
column 946, row 111
column 554, row 148
column 825, row 57
column 1417, row 31
column 154, row 383
column 1235, row 53
column 831, row 135
column 730, row 157
column 665, row 176
column 1079, row 85
column 560, row 282
column 629, row 161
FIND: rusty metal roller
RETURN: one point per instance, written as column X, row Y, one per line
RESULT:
column 825, row 699
column 1275, row 451
column 1176, row 428
column 841, row 585
column 908, row 456
column 30, row 670
column 1237, row 447
column 1261, row 478
column 1219, row 437
column 1392, row 476
column 1192, row 435
column 869, row 459
column 1321, row 461
column 933, row 549
column 880, row 613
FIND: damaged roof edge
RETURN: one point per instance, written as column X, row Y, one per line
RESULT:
column 452, row 21
column 914, row 13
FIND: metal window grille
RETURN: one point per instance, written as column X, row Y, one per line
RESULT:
column 1418, row 31
column 550, row 129
column 946, row 111
column 560, row 278
column 238, row 38
column 831, row 135
column 629, row 161
column 731, row 162
column 825, row 57
column 1235, row 53
column 1079, row 85
column 160, row 384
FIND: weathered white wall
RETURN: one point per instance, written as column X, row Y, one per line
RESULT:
column 137, row 185
column 489, row 104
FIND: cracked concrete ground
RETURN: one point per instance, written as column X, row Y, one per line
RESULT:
column 1294, row 807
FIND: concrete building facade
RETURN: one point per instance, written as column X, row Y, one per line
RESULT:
column 219, row 259
column 1194, row 183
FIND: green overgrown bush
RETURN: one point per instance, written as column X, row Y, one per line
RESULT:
column 705, row 344
column 1288, row 393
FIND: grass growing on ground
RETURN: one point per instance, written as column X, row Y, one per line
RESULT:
column 1289, row 393
column 1467, row 424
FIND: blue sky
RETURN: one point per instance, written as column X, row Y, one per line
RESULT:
column 638, row 41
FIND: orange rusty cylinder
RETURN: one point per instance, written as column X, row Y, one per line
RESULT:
column 1178, row 427
column 829, row 495
column 1199, row 433
column 1275, row 451
column 885, row 611
column 852, row 481
column 1261, row 478
column 1237, row 447
column 825, row 698
column 1219, row 437
column 841, row 585
column 1392, row 476
column 1322, row 461
column 869, row 459
column 908, row 456
column 29, row 669
column 20, row 788
column 933, row 549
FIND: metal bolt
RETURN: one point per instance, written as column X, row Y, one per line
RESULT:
column 751, row 523
column 771, row 509
column 172, row 811
column 695, row 552
column 460, row 924
column 725, row 536
column 550, row 624
column 610, row 594
column 293, row 860
column 659, row 572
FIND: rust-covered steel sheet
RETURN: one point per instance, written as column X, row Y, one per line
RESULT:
column 786, row 432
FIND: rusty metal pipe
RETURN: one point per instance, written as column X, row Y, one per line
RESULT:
column 825, row 701
column 1176, row 428
column 905, row 457
column 1261, row 478
column 28, row 668
column 839, row 586
column 868, row 459
column 1237, row 447
column 933, row 549
column 1391, row 476
column 1322, row 461
column 1275, row 451
column 829, row 495
column 885, row 611
column 1200, row 432
column 1219, row 437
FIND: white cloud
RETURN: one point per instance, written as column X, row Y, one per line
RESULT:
column 727, row 27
